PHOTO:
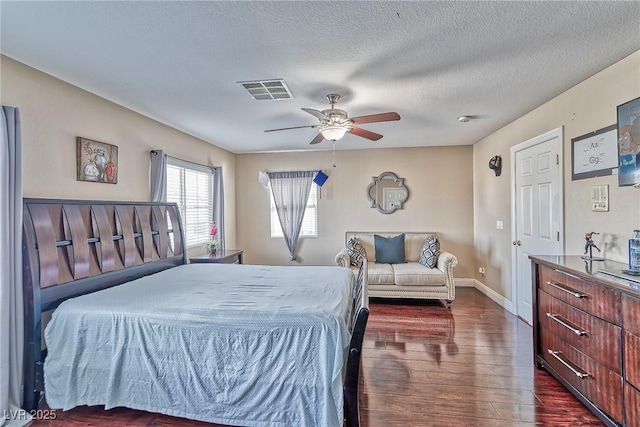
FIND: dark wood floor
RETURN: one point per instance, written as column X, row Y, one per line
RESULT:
column 425, row 365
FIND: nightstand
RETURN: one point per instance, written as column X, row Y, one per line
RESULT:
column 229, row 256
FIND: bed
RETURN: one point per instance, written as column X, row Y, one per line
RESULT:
column 136, row 326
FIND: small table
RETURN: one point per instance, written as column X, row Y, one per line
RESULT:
column 229, row 256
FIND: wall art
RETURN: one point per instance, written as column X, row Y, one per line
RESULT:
column 97, row 161
column 629, row 143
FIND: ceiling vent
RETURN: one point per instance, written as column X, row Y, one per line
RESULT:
column 263, row 90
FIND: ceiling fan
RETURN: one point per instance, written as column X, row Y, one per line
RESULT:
column 334, row 123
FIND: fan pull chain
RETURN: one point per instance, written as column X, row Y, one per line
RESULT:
column 333, row 143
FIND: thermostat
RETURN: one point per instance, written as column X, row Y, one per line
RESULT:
column 600, row 198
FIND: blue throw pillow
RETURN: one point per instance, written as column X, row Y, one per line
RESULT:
column 389, row 250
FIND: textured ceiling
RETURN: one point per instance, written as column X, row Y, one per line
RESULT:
column 431, row 61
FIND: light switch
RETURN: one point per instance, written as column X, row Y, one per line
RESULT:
column 499, row 225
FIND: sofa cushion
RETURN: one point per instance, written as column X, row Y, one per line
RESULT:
column 413, row 243
column 389, row 250
column 356, row 252
column 430, row 252
column 380, row 274
column 413, row 273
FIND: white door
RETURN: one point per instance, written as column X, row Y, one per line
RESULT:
column 537, row 210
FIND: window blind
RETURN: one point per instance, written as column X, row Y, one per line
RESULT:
column 309, row 221
column 191, row 187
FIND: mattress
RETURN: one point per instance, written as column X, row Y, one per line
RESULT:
column 232, row 344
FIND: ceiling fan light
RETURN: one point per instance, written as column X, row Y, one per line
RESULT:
column 333, row 133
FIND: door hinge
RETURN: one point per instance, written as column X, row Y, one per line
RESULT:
column 557, row 159
column 558, row 236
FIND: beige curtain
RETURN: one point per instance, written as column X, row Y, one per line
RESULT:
column 11, row 322
column 218, row 203
column 158, row 176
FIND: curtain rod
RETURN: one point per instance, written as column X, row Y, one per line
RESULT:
column 313, row 170
column 155, row 152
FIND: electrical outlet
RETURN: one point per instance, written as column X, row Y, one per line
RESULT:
column 481, row 271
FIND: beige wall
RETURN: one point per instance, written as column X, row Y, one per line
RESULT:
column 440, row 199
column 452, row 191
column 53, row 113
column 589, row 106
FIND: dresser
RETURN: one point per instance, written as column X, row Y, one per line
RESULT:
column 586, row 332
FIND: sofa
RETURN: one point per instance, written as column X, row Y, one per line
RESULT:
column 408, row 279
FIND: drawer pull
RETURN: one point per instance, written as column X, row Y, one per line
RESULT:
column 577, row 372
column 570, row 291
column 573, row 328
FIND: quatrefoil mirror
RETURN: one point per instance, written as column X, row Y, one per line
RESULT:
column 387, row 192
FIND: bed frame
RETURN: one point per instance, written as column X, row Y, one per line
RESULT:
column 75, row 247
column 358, row 326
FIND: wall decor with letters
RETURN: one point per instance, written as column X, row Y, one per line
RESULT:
column 595, row 154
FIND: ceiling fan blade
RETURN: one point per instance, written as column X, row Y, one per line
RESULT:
column 365, row 133
column 294, row 127
column 373, row 118
column 316, row 113
column 317, row 139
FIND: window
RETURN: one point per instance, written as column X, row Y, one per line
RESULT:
column 191, row 187
column 309, row 222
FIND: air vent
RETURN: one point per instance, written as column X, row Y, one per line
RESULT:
column 263, row 90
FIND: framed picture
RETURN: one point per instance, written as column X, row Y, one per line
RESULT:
column 97, row 161
column 594, row 154
column 629, row 143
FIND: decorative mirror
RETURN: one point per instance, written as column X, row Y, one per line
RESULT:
column 387, row 192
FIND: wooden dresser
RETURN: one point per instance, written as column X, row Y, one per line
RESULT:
column 586, row 332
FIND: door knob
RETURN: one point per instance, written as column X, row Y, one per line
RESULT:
column 517, row 243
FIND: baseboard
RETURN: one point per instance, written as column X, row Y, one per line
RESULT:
column 493, row 295
column 465, row 282
column 468, row 282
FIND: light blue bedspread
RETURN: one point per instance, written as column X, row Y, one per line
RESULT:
column 232, row 344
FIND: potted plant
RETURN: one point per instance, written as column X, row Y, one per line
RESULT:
column 212, row 246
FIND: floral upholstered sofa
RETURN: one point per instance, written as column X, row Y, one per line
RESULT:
column 406, row 265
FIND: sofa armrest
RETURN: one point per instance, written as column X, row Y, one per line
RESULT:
column 446, row 262
column 342, row 258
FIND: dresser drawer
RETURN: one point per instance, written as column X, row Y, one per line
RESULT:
column 594, row 337
column 600, row 385
column 632, row 406
column 631, row 314
column 632, row 358
column 598, row 300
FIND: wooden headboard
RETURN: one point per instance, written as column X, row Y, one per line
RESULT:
column 74, row 247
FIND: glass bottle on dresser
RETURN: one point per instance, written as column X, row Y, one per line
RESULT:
column 634, row 251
